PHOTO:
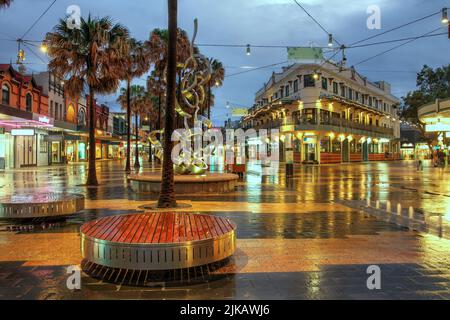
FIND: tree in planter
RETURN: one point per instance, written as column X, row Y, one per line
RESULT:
column 140, row 104
column 432, row 84
column 135, row 65
column 91, row 57
column 167, row 195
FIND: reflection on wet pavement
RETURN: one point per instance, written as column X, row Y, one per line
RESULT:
column 295, row 239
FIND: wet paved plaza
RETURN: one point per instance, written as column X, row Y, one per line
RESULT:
column 296, row 238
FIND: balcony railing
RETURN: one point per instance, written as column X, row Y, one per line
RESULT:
column 343, row 124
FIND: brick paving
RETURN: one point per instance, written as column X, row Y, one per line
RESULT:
column 296, row 240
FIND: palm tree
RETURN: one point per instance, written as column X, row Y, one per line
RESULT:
column 156, row 86
column 5, row 3
column 158, row 44
column 135, row 65
column 217, row 77
column 167, row 195
column 89, row 57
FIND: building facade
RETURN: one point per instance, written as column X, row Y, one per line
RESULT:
column 332, row 115
column 24, row 120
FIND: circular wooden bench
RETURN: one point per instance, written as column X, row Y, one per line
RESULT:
column 40, row 205
column 157, row 240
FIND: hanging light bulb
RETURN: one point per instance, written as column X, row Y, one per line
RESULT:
column 444, row 15
column 217, row 83
column 248, row 52
column 44, row 48
column 228, row 105
column 330, row 40
column 21, row 55
column 315, row 75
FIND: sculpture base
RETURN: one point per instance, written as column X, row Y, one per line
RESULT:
column 186, row 184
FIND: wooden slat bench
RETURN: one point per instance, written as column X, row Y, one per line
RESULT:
column 157, row 240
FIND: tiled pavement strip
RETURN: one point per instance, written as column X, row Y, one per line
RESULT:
column 296, row 238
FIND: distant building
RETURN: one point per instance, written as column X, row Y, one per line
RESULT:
column 333, row 115
column 24, row 120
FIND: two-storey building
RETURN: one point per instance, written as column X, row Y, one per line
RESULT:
column 24, row 120
column 333, row 114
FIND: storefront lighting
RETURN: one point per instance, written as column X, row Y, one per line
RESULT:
column 318, row 103
column 369, row 140
column 331, row 135
column 350, row 138
column 437, row 127
column 341, row 137
column 283, row 137
column 315, row 76
column 22, row 132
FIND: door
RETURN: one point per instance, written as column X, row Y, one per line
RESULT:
column 56, row 154
column 26, row 151
column 310, row 152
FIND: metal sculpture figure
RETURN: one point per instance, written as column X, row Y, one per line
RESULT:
column 197, row 73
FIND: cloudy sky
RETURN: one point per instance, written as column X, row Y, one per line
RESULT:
column 256, row 22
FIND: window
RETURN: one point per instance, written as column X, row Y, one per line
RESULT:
column 287, row 90
column 325, row 144
column 308, row 81
column 335, row 88
column 376, row 103
column 51, row 108
column 384, row 107
column 5, row 94
column 357, row 96
column 343, row 91
column 43, row 145
column 295, row 85
column 350, row 93
column 370, row 101
column 56, row 110
column 29, row 102
column 81, row 117
column 324, row 83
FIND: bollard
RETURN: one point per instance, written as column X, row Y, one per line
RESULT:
column 377, row 204
column 399, row 209
column 388, row 206
column 368, row 202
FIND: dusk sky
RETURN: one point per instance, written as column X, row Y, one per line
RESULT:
column 256, row 22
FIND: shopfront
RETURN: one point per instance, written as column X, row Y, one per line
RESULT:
column 6, row 150
column 407, row 151
column 30, row 148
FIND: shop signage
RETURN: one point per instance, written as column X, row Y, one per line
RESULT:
column 22, row 132
column 311, row 140
column 44, row 119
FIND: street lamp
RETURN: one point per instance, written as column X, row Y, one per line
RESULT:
column 444, row 16
column 248, row 52
column 330, row 40
column 44, row 48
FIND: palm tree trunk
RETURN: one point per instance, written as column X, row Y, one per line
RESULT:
column 128, row 162
column 92, row 173
column 167, row 194
column 209, row 101
column 136, row 159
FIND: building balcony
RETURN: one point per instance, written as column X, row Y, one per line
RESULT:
column 342, row 126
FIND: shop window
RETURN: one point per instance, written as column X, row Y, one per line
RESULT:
column 325, row 144
column 43, row 145
column 336, row 146
column 5, row 94
column 355, row 147
column 29, row 102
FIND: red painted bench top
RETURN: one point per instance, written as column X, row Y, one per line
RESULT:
column 158, row 227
